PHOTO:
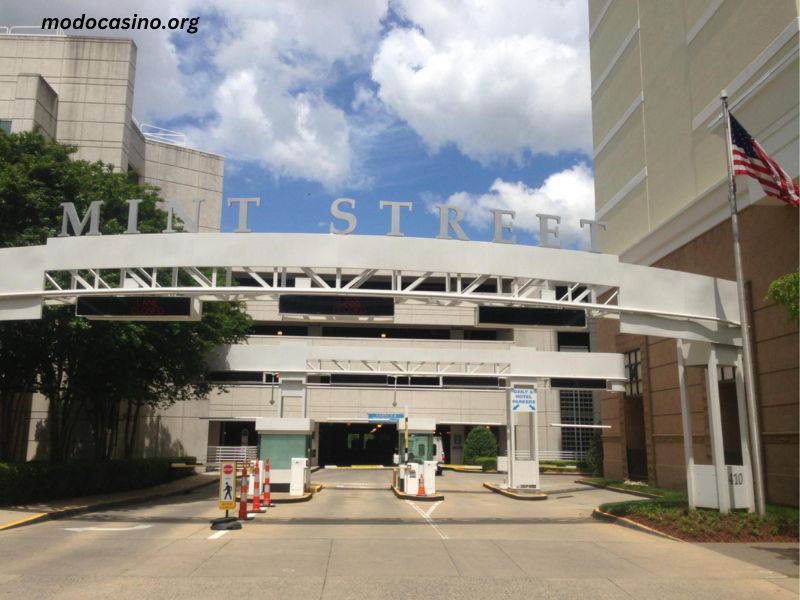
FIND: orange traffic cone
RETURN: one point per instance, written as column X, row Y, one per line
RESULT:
column 421, row 490
column 257, row 489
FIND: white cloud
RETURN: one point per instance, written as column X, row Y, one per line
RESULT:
column 256, row 70
column 495, row 78
column 568, row 193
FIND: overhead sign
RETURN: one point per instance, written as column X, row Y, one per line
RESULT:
column 138, row 308
column 335, row 306
column 523, row 400
column 394, row 417
column 227, row 486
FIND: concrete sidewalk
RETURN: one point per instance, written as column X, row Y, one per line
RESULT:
column 17, row 516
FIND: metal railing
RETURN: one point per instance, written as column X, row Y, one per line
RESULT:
column 30, row 30
column 239, row 454
column 160, row 134
column 561, row 455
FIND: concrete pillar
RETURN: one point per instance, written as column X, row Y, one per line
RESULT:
column 686, row 421
column 715, row 431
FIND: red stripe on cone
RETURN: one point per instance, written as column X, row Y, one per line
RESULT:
column 257, row 488
column 267, row 497
column 243, row 496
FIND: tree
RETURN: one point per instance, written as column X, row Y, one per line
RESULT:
column 785, row 290
column 104, row 372
column 480, row 443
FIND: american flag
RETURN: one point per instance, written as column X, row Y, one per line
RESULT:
column 750, row 159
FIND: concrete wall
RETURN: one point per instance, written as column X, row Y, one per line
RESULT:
column 34, row 103
column 657, row 70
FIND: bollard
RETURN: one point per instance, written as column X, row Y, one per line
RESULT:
column 267, row 497
column 243, row 516
column 258, row 489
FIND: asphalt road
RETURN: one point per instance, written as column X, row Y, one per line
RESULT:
column 355, row 540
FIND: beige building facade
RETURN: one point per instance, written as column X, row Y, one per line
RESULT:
column 79, row 91
column 661, row 187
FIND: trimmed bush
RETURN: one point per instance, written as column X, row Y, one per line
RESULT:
column 487, row 463
column 480, row 442
column 40, row 481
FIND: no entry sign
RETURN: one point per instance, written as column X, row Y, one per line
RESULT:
column 227, row 486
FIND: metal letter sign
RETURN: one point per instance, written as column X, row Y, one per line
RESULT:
column 523, row 400
column 227, row 486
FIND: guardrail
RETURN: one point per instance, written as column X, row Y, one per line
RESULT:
column 239, row 454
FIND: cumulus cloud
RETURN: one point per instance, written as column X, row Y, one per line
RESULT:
column 496, row 79
column 568, row 193
column 308, row 89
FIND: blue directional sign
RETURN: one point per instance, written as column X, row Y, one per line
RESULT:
column 384, row 416
column 523, row 400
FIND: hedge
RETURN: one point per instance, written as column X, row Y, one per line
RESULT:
column 41, row 481
column 487, row 463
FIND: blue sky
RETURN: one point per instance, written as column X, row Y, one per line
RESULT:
column 478, row 104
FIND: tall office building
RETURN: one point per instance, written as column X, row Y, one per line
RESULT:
column 79, row 91
column 661, row 187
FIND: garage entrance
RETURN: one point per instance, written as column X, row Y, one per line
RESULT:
column 347, row 444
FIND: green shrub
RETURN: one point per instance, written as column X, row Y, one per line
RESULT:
column 594, row 455
column 480, row 442
column 40, row 481
column 487, row 463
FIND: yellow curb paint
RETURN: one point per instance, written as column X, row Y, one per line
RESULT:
column 18, row 522
column 404, row 496
column 515, row 496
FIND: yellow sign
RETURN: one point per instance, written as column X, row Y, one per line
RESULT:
column 227, row 486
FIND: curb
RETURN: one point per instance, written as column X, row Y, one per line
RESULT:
column 294, row 499
column 529, row 497
column 404, row 496
column 29, row 520
column 462, row 469
column 618, row 489
column 630, row 524
column 78, row 510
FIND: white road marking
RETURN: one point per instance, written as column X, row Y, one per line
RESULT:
column 133, row 528
column 217, row 534
column 428, row 518
column 433, row 508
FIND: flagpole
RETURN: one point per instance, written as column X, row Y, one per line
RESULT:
column 749, row 374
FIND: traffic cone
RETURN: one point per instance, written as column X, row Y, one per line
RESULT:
column 421, row 489
column 243, row 516
column 267, row 497
column 257, row 488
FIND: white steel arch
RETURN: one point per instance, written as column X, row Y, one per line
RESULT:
column 206, row 265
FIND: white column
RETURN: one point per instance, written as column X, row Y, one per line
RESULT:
column 686, row 420
column 715, row 430
column 744, row 433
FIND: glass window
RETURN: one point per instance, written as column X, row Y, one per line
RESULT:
column 5, row 125
column 577, row 407
column 633, row 367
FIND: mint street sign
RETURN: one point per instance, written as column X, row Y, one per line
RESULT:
column 523, row 400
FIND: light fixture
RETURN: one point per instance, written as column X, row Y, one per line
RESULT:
column 280, row 331
column 383, row 334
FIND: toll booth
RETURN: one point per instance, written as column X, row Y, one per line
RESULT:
column 282, row 440
column 415, row 446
